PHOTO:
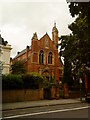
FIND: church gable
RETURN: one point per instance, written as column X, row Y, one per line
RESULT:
column 46, row 42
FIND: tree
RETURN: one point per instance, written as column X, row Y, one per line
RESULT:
column 66, row 52
column 2, row 41
column 80, row 29
column 75, row 48
column 18, row 67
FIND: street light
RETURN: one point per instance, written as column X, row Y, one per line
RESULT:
column 80, row 81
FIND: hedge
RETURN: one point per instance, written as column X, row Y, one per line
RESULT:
column 32, row 80
column 13, row 81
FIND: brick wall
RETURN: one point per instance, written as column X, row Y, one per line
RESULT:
column 22, row 95
column 75, row 94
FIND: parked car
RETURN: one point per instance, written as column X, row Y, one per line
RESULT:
column 87, row 97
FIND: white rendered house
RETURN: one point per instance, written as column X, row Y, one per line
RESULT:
column 5, row 58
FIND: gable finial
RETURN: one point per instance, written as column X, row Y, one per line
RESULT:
column 54, row 23
column 35, row 36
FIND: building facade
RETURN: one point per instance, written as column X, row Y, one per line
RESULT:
column 42, row 56
column 5, row 50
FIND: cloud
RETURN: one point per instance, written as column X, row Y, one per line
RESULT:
column 21, row 19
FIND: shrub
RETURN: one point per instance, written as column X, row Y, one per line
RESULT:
column 27, row 81
column 48, row 84
column 12, row 81
column 32, row 80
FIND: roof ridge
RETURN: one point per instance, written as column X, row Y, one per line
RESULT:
column 44, row 36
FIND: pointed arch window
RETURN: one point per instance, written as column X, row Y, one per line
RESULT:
column 50, row 58
column 41, row 57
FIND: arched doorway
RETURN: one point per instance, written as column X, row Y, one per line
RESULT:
column 46, row 75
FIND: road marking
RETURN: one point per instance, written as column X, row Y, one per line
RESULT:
column 31, row 114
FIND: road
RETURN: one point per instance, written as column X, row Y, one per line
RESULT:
column 79, row 110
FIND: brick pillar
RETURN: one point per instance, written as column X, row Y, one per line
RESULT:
column 66, row 92
column 57, row 93
column 41, row 92
column 52, row 92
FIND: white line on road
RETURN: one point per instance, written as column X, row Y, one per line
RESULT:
column 31, row 114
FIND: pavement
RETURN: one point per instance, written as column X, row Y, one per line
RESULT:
column 39, row 103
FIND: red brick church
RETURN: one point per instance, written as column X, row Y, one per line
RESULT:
column 42, row 56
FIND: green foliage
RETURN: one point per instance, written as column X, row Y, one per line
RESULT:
column 67, row 78
column 47, row 84
column 18, row 67
column 27, row 81
column 12, row 82
column 37, row 77
column 79, row 8
column 52, row 79
column 32, row 80
column 75, row 48
column 66, row 51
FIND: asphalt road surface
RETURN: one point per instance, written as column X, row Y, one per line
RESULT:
column 79, row 110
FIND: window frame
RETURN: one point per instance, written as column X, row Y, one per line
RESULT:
column 41, row 57
column 50, row 58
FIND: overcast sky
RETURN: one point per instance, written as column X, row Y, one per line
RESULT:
column 19, row 20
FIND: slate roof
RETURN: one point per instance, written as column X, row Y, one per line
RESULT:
column 22, row 52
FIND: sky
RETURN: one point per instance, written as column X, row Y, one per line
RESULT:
column 19, row 19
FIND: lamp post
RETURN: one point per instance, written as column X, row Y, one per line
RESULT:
column 80, row 81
